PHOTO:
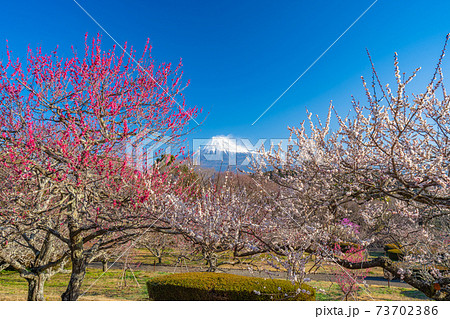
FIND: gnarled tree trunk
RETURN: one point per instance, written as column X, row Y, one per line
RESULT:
column 36, row 288
column 434, row 288
column 73, row 290
column 78, row 259
column 211, row 261
column 105, row 265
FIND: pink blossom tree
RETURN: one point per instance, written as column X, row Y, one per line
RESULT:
column 66, row 121
column 350, row 281
column 35, row 254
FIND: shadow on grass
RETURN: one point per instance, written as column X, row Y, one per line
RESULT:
column 415, row 294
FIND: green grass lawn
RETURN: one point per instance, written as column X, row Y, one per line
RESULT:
column 373, row 292
column 112, row 286
column 260, row 261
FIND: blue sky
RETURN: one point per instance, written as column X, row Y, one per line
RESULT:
column 241, row 55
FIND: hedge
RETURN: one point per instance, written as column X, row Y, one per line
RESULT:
column 213, row 286
column 390, row 247
column 395, row 254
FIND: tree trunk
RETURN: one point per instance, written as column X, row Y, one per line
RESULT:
column 73, row 290
column 36, row 288
column 434, row 288
column 79, row 261
column 158, row 254
column 4, row 265
column 211, row 261
column 105, row 265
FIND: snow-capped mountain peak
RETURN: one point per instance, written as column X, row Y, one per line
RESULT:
column 224, row 144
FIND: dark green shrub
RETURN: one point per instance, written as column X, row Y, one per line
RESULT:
column 395, row 254
column 213, row 286
column 390, row 246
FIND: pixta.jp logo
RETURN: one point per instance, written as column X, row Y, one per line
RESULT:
column 143, row 149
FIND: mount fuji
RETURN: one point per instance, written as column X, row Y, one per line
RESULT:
column 223, row 153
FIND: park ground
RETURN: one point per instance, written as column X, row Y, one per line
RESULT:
column 117, row 284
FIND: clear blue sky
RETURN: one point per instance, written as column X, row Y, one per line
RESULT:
column 241, row 55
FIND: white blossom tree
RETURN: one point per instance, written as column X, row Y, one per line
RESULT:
column 391, row 160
